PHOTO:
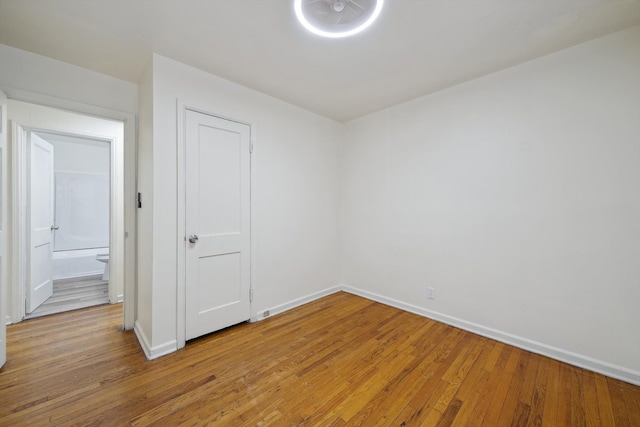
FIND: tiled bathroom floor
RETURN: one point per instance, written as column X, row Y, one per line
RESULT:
column 72, row 294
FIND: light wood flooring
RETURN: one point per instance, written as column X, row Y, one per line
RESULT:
column 341, row 360
column 72, row 294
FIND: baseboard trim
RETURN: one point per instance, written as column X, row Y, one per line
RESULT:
column 153, row 352
column 562, row 355
column 575, row 359
column 260, row 315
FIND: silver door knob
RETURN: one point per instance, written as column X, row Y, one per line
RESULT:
column 54, row 227
column 193, row 238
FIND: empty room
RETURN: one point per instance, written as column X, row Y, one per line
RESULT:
column 320, row 212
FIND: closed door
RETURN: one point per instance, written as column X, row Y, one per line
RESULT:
column 217, row 223
column 40, row 276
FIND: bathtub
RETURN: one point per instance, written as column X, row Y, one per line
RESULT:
column 77, row 263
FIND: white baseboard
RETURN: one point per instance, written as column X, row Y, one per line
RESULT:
column 153, row 352
column 562, row 355
column 119, row 300
column 582, row 361
column 260, row 315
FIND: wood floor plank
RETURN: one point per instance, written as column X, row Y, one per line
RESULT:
column 502, row 389
column 507, row 412
column 530, row 374
column 450, row 413
column 577, row 398
column 539, row 394
column 632, row 401
column 464, row 416
column 553, row 390
column 592, row 413
column 469, row 387
column 618, row 403
column 478, row 415
column 423, row 403
column 341, row 360
column 389, row 402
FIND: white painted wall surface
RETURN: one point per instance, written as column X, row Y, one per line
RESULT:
column 25, row 71
column 296, row 192
column 144, row 232
column 516, row 196
column 81, row 211
column 81, row 168
column 79, row 155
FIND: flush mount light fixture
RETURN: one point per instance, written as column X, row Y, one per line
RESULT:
column 336, row 18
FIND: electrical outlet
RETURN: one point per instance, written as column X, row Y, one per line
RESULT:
column 266, row 313
column 431, row 293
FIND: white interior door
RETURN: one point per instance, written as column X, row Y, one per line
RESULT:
column 40, row 184
column 217, row 222
column 3, row 224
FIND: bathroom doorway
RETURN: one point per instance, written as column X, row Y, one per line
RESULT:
column 79, row 232
column 70, row 196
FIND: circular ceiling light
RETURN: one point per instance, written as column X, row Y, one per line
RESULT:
column 336, row 18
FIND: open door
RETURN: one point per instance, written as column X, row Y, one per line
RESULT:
column 40, row 185
column 3, row 225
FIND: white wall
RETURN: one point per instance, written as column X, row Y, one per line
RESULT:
column 296, row 193
column 22, row 71
column 517, row 197
column 144, row 230
column 79, row 155
column 82, row 169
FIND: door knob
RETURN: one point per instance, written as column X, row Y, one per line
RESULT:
column 54, row 227
column 193, row 238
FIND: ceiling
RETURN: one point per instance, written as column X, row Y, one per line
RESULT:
column 415, row 48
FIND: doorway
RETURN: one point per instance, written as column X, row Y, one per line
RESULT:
column 73, row 272
column 95, row 232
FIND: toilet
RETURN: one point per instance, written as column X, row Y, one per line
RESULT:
column 104, row 258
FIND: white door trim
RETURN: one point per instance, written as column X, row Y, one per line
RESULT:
column 19, row 221
column 181, row 290
column 127, row 152
column 116, row 234
column 4, row 212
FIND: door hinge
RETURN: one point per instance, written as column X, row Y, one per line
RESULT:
column 251, row 147
column 251, row 295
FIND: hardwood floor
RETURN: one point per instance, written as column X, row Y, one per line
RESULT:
column 341, row 360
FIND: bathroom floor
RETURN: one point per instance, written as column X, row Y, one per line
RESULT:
column 72, row 294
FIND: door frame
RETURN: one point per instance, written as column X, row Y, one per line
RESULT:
column 4, row 212
column 21, row 160
column 123, row 235
column 181, row 311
